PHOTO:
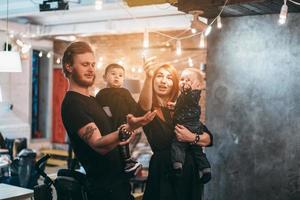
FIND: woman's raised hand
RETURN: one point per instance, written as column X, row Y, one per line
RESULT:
column 149, row 65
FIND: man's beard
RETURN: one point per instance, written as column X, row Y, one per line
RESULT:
column 77, row 79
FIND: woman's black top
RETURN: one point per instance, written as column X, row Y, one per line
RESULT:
column 161, row 183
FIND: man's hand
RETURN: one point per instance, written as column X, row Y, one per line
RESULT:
column 136, row 122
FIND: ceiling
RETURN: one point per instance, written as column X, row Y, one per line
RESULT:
column 117, row 17
column 83, row 18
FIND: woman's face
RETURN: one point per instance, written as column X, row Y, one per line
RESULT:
column 163, row 83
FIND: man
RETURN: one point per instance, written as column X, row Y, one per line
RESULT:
column 89, row 129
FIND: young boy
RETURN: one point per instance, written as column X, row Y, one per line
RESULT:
column 117, row 103
column 187, row 113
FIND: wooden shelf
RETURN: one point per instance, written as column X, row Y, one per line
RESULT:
column 58, row 157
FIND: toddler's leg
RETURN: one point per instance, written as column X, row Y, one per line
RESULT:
column 131, row 166
column 203, row 164
column 178, row 156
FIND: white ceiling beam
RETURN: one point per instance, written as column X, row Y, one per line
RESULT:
column 120, row 26
column 161, row 23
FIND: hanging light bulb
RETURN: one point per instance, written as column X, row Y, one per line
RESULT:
column 190, row 62
column 202, row 41
column 283, row 13
column 219, row 22
column 49, row 55
column 25, row 48
column 120, row 62
column 10, row 61
column 146, row 38
column 207, row 30
column 40, row 54
column 98, row 4
column 133, row 69
column 20, row 43
column 178, row 47
column 58, row 61
column 140, row 70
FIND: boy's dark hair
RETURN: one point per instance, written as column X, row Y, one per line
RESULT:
column 71, row 51
column 112, row 66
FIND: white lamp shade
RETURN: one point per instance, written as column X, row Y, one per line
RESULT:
column 0, row 95
column 10, row 61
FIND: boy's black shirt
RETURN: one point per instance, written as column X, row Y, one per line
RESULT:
column 120, row 102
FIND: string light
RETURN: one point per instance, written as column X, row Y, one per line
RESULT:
column 40, row 54
column 207, row 30
column 219, row 22
column 98, row 4
column 19, row 42
column 190, row 62
column 140, row 70
column 146, row 38
column 99, row 63
column 283, row 13
column 193, row 30
column 49, row 55
column 202, row 41
column 178, row 47
column 133, row 69
column 25, row 48
column 120, row 62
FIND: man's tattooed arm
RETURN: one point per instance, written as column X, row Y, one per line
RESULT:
column 88, row 133
column 91, row 135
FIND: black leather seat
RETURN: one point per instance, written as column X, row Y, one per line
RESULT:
column 70, row 184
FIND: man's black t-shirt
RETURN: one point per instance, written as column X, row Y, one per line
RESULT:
column 77, row 111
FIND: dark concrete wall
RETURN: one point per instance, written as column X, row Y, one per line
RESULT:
column 253, row 109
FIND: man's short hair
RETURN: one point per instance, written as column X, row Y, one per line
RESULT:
column 71, row 51
column 113, row 66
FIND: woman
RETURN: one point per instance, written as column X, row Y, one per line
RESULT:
column 161, row 87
